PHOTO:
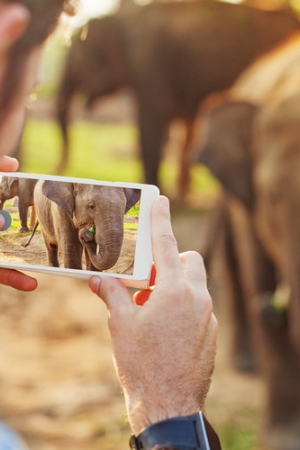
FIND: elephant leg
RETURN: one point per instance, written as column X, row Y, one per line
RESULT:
column 184, row 176
column 52, row 252
column 152, row 134
column 32, row 217
column 249, row 271
column 65, row 94
column 218, row 250
column 71, row 253
column 243, row 353
column 220, row 253
column 280, row 366
column 23, row 212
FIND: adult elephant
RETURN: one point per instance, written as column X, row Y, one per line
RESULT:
column 76, row 217
column 255, row 153
column 172, row 55
column 23, row 188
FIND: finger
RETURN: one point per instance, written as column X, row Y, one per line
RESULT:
column 8, row 164
column 14, row 20
column 17, row 280
column 111, row 291
column 164, row 245
column 193, row 267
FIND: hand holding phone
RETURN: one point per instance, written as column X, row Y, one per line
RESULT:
column 85, row 226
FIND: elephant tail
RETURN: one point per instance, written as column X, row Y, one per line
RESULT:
column 25, row 244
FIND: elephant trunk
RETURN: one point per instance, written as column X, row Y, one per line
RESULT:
column 103, row 253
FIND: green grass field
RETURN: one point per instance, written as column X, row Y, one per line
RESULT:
column 104, row 152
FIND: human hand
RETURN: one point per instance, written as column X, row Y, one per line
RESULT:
column 11, row 277
column 8, row 164
column 164, row 350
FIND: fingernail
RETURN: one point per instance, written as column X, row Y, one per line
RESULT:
column 16, row 15
column 164, row 201
column 20, row 12
column 13, row 163
column 95, row 284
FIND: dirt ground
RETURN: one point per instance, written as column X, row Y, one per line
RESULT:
column 57, row 382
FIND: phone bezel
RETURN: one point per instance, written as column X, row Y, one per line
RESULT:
column 143, row 253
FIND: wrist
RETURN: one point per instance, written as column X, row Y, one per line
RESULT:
column 142, row 414
column 191, row 432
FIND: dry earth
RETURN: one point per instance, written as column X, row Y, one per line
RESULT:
column 57, row 382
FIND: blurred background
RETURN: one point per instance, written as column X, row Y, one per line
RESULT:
column 57, row 383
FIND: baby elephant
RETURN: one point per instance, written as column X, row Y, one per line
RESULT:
column 75, row 216
column 23, row 188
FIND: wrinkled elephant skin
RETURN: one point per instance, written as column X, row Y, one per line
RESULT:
column 23, row 188
column 77, row 217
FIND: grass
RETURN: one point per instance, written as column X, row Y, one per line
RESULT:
column 104, row 152
column 240, row 434
column 97, row 151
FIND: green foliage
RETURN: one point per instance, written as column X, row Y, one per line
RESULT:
column 134, row 210
column 240, row 432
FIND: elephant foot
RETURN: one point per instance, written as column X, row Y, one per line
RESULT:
column 24, row 230
column 282, row 437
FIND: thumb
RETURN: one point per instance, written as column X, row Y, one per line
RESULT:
column 111, row 291
column 14, row 19
column 8, row 164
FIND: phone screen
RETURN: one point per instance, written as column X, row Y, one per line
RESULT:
column 81, row 225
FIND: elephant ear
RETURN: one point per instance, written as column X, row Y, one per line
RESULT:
column 13, row 184
column 60, row 193
column 132, row 197
column 227, row 148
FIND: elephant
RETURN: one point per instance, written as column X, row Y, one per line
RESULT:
column 254, row 151
column 272, row 77
column 74, row 217
column 23, row 188
column 171, row 56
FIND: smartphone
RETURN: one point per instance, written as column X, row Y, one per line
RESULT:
column 82, row 226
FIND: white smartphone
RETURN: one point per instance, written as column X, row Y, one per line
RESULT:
column 82, row 226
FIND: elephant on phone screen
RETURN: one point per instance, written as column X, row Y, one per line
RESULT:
column 11, row 187
column 76, row 217
column 255, row 153
column 171, row 55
